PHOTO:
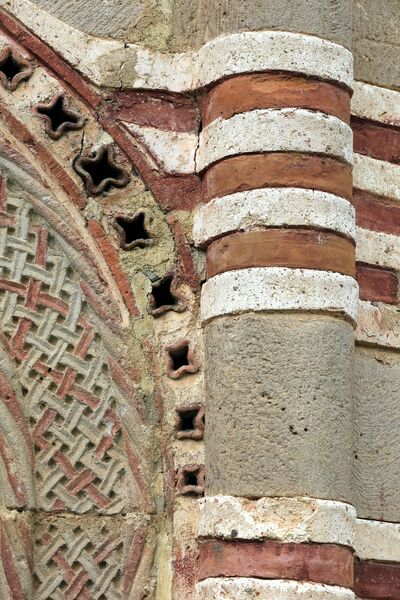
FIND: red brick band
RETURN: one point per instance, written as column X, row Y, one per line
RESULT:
column 377, row 284
column 376, row 213
column 318, row 563
column 277, row 169
column 271, row 90
column 378, row 581
column 294, row 248
column 376, row 140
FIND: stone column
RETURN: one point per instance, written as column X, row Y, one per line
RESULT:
column 278, row 311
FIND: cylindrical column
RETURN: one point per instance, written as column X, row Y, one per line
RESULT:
column 278, row 308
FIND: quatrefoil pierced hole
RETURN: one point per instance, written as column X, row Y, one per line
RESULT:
column 100, row 172
column 58, row 117
column 190, row 422
column 132, row 231
column 191, row 480
column 13, row 68
column 180, row 359
column 164, row 297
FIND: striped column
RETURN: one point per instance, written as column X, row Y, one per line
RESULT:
column 376, row 178
column 278, row 310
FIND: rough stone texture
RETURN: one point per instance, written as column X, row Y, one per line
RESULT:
column 376, row 176
column 377, row 445
column 377, row 248
column 145, row 21
column 376, row 31
column 279, row 289
column 279, row 406
column 329, row 19
column 278, row 130
column 378, row 324
column 296, row 520
column 269, row 207
column 187, row 25
column 375, row 103
column 377, row 541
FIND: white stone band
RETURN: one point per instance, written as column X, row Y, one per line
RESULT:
column 377, row 248
column 296, row 520
column 275, row 130
column 376, row 103
column 273, row 207
column 376, row 176
column 113, row 63
column 173, row 151
column 376, row 540
column 270, row 51
column 279, row 289
column 246, row 588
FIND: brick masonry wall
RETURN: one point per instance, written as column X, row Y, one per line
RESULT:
column 118, row 202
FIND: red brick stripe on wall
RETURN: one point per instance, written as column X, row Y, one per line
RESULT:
column 319, row 563
column 376, row 140
column 378, row 581
column 294, row 248
column 271, row 90
column 376, row 213
column 376, row 284
column 277, row 169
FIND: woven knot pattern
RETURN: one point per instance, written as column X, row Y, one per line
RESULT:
column 83, row 563
column 68, row 392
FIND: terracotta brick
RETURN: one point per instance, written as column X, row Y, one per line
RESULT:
column 376, row 140
column 320, row 563
column 377, row 284
column 378, row 581
column 293, row 248
column 253, row 171
column 376, row 213
column 270, row 90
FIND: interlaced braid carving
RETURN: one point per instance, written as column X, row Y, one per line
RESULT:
column 69, row 394
column 82, row 562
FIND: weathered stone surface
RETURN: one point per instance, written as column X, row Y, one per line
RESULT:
column 376, row 32
column 377, row 444
column 183, row 25
column 146, row 21
column 279, row 406
column 326, row 19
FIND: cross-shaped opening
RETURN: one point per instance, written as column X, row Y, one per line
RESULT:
column 58, row 117
column 162, row 295
column 100, row 169
column 13, row 68
column 10, row 66
column 179, row 357
column 132, row 231
column 100, row 172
